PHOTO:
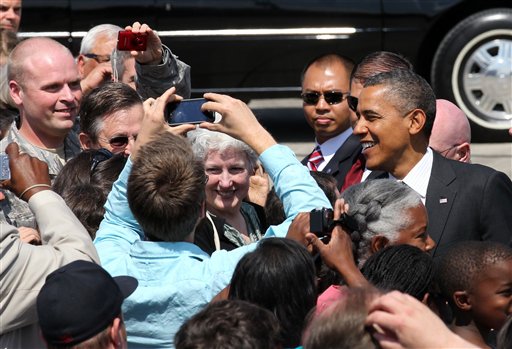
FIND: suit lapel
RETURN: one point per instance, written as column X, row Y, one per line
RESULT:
column 441, row 194
column 338, row 162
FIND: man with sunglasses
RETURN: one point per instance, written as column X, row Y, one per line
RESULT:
column 110, row 118
column 325, row 86
column 395, row 114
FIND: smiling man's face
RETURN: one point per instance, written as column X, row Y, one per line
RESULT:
column 383, row 131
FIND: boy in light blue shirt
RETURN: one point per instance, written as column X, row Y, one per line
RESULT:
column 153, row 208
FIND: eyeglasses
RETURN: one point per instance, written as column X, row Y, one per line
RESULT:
column 445, row 152
column 331, row 97
column 352, row 103
column 119, row 141
column 98, row 58
column 99, row 156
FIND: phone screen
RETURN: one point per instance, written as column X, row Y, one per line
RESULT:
column 188, row 111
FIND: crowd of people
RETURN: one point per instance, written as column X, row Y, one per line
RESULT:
column 118, row 230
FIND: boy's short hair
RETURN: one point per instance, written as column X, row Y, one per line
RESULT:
column 230, row 324
column 464, row 261
column 166, row 188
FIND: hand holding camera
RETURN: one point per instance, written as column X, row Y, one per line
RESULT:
column 338, row 252
column 143, row 42
column 154, row 121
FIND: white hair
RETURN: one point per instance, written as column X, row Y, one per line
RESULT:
column 205, row 142
column 379, row 207
column 108, row 30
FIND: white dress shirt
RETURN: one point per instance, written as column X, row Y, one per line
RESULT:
column 419, row 176
column 330, row 146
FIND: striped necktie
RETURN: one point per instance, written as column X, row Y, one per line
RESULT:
column 315, row 159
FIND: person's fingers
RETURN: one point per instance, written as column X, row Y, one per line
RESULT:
column 387, row 302
column 144, row 28
column 181, row 129
column 13, row 150
column 387, row 342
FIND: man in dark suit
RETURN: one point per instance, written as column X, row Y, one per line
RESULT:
column 396, row 111
column 325, row 86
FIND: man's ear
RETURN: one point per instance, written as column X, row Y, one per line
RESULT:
column 85, row 141
column 16, row 92
column 462, row 300
column 378, row 242
column 80, row 62
column 463, row 152
column 417, row 119
column 116, row 333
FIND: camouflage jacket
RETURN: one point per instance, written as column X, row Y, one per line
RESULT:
column 13, row 210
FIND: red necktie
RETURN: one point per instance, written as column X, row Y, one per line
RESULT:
column 355, row 173
column 315, row 159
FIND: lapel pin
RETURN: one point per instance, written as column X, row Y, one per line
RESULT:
column 443, row 200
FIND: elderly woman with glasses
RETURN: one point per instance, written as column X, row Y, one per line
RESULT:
column 230, row 222
column 110, row 118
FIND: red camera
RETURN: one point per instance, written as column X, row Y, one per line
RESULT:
column 130, row 41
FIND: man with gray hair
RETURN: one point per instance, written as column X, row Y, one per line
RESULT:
column 151, row 72
column 396, row 112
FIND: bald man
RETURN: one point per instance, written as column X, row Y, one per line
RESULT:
column 451, row 134
column 44, row 84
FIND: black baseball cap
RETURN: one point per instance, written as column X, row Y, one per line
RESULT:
column 79, row 300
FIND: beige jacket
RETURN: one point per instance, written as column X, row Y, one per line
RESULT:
column 24, row 267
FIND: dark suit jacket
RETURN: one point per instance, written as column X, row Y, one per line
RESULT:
column 342, row 160
column 468, row 202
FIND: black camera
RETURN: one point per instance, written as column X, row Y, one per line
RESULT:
column 322, row 222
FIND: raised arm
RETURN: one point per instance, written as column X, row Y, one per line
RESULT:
column 24, row 267
column 158, row 69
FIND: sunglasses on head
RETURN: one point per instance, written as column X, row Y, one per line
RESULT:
column 352, row 103
column 331, row 97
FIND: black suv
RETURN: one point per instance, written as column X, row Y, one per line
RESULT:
column 257, row 48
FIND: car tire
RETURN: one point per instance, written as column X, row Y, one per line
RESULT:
column 473, row 68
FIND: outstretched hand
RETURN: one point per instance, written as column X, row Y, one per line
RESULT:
column 402, row 321
column 154, row 122
column 153, row 53
column 259, row 187
column 238, row 121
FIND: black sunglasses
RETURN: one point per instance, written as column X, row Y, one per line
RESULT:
column 119, row 141
column 99, row 156
column 331, row 97
column 352, row 103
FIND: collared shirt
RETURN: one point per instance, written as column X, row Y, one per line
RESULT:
column 330, row 146
column 419, row 176
column 177, row 279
